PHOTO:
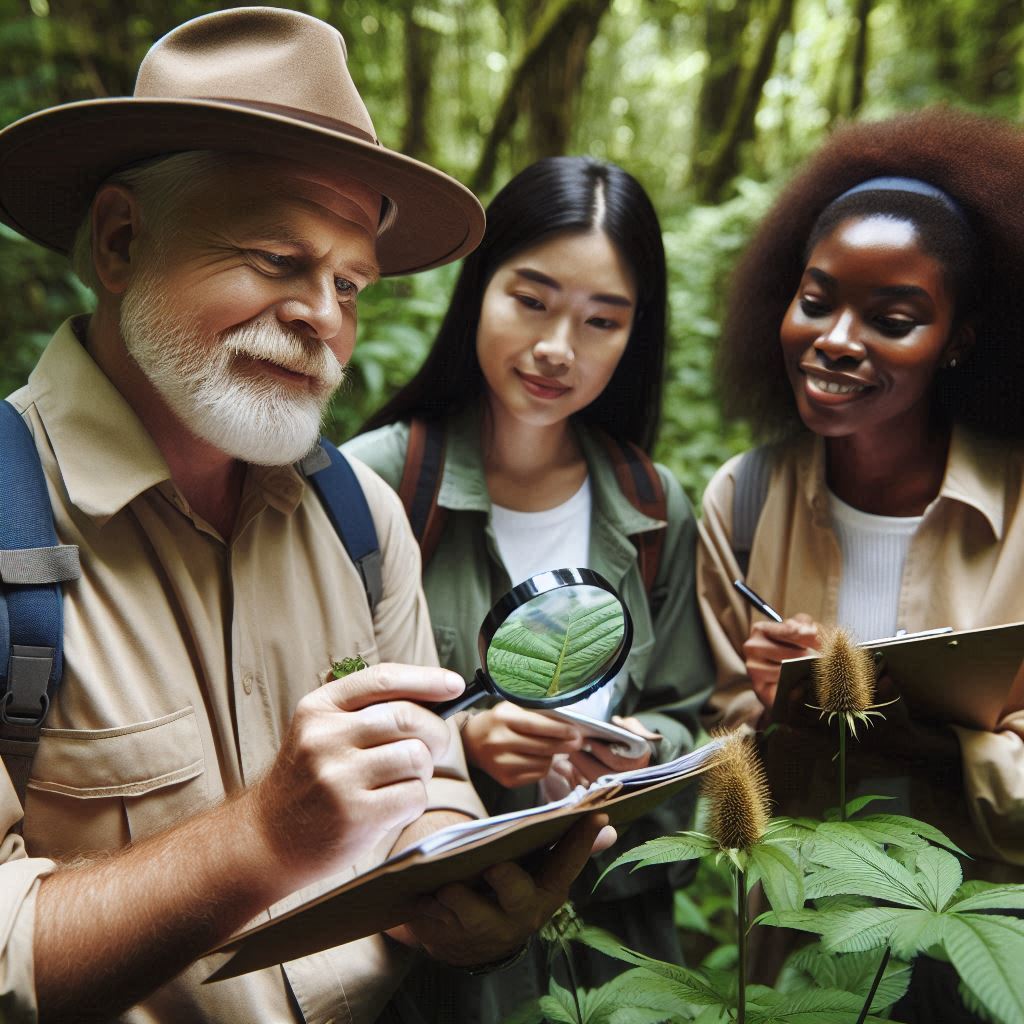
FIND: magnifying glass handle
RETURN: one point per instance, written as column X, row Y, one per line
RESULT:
column 472, row 693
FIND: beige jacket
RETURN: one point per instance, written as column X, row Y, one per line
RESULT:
column 963, row 569
column 185, row 656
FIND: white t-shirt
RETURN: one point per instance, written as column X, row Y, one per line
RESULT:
column 557, row 538
column 874, row 551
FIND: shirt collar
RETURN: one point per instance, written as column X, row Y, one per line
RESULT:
column 106, row 457
column 975, row 474
column 464, row 485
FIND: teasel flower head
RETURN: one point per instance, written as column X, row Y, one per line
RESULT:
column 736, row 791
column 844, row 677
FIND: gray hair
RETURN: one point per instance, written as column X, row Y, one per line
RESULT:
column 161, row 184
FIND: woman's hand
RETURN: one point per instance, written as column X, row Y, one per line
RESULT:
column 599, row 758
column 515, row 746
column 772, row 643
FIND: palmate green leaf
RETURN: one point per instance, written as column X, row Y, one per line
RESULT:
column 851, row 972
column 638, row 990
column 918, row 828
column 862, row 869
column 665, row 850
column 559, row 1007
column 780, row 875
column 916, row 932
column 858, row 930
column 987, row 952
column 987, row 896
column 687, row 989
column 812, row 1006
column 938, row 875
column 806, row 920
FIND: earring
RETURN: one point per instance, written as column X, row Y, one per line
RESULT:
column 952, row 363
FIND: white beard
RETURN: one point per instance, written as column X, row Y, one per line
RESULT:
column 255, row 418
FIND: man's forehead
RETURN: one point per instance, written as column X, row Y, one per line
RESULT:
column 266, row 182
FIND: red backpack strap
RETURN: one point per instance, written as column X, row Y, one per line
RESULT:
column 639, row 481
column 421, row 481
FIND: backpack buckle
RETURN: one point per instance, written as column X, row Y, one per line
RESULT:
column 28, row 678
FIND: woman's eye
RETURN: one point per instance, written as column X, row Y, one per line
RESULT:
column 529, row 301
column 603, row 323
column 895, row 327
column 812, row 307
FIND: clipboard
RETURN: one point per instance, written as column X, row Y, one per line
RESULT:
column 964, row 677
column 385, row 896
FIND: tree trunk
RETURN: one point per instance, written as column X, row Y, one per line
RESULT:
column 993, row 65
column 860, row 56
column 724, row 26
column 554, row 57
column 723, row 164
column 418, row 80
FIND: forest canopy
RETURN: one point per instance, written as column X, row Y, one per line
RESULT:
column 710, row 104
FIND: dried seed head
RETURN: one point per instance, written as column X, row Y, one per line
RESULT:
column 844, row 675
column 737, row 794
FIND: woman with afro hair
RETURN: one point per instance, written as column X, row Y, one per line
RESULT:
column 874, row 341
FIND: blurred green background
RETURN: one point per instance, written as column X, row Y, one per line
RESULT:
column 709, row 104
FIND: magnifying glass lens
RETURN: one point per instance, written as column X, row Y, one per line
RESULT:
column 556, row 644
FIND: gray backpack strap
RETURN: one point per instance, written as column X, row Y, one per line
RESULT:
column 752, row 475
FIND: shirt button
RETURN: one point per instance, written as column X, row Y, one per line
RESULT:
column 247, row 683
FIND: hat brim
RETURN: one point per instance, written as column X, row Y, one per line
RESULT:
column 51, row 164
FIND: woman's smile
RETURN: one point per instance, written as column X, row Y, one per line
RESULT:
column 542, row 387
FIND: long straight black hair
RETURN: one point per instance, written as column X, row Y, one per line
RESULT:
column 553, row 196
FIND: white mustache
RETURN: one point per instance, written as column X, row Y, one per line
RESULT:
column 269, row 340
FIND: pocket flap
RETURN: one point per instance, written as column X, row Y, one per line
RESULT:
column 128, row 760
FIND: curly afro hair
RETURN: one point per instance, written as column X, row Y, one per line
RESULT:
column 979, row 161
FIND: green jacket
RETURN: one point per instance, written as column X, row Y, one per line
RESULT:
column 670, row 673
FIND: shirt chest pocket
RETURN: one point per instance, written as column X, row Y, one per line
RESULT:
column 99, row 789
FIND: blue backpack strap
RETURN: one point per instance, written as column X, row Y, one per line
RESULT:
column 32, row 567
column 751, row 489
column 336, row 484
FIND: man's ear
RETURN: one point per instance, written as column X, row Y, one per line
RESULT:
column 116, row 222
column 960, row 345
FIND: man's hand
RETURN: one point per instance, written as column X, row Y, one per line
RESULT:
column 353, row 767
column 772, row 643
column 515, row 746
column 465, row 927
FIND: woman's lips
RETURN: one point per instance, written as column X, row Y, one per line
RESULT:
column 542, row 387
column 834, row 389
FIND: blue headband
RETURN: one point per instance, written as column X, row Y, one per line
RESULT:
column 896, row 184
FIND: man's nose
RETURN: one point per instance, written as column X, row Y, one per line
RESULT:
column 840, row 339
column 313, row 309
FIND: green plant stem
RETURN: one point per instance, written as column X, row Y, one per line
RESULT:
column 567, row 956
column 842, row 767
column 874, row 985
column 741, row 945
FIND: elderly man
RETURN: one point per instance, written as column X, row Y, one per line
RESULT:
column 192, row 770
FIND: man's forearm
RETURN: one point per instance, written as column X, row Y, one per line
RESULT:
column 111, row 930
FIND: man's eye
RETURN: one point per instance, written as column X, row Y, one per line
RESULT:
column 347, row 289
column 273, row 259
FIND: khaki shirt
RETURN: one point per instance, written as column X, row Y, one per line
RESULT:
column 184, row 659
column 963, row 569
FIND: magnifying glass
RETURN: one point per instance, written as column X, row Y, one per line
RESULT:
column 551, row 640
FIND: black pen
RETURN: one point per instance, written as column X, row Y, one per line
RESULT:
column 757, row 601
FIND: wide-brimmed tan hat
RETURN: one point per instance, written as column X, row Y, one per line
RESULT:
column 252, row 80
